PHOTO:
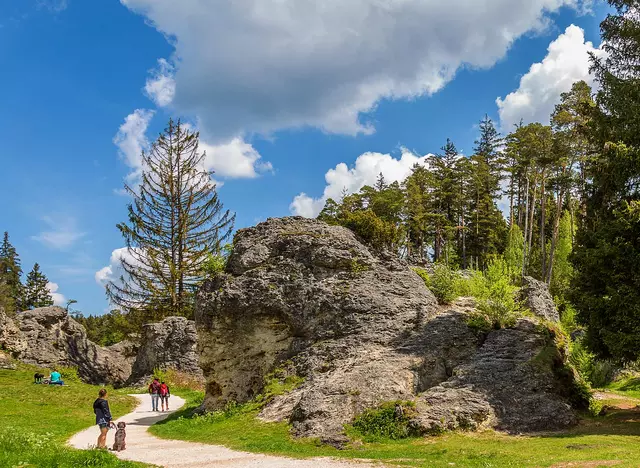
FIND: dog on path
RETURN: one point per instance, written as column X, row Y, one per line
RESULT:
column 120, row 443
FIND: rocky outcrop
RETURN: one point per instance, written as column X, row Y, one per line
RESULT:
column 48, row 337
column 300, row 297
column 170, row 344
column 537, row 298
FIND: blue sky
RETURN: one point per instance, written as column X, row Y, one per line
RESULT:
column 280, row 97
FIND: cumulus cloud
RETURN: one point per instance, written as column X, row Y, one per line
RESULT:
column 131, row 139
column 264, row 65
column 364, row 172
column 567, row 61
column 160, row 86
column 114, row 270
column 233, row 159
column 62, row 233
column 58, row 298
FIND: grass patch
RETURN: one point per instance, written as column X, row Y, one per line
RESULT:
column 37, row 420
column 391, row 420
column 613, row 437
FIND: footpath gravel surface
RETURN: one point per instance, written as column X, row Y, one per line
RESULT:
column 146, row 448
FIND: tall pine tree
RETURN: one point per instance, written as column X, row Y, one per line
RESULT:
column 176, row 221
column 10, row 272
column 607, row 258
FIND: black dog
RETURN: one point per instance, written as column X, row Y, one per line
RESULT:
column 37, row 377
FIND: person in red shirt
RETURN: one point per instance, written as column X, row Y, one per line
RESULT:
column 165, row 393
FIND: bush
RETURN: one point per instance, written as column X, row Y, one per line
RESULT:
column 495, row 294
column 392, row 420
column 178, row 379
column 597, row 373
column 444, row 282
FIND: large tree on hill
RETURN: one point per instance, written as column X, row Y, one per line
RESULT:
column 176, row 221
column 36, row 291
column 10, row 271
column 607, row 255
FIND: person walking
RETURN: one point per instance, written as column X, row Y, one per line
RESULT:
column 154, row 390
column 165, row 393
column 103, row 417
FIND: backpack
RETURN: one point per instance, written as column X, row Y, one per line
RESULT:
column 154, row 387
column 164, row 390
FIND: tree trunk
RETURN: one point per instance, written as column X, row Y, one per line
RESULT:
column 554, row 237
column 526, row 228
column 543, row 216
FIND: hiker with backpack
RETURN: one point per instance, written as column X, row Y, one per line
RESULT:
column 154, row 390
column 165, row 393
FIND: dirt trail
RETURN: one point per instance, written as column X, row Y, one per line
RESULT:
column 146, row 448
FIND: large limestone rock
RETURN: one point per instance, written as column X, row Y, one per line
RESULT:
column 538, row 299
column 48, row 337
column 300, row 297
column 170, row 344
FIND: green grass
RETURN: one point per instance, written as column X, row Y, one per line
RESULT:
column 602, row 441
column 37, row 420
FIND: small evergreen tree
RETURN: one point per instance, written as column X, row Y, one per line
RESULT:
column 36, row 292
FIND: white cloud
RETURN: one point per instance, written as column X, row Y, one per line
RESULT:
column 365, row 172
column 131, row 139
column 62, row 233
column 265, row 65
column 54, row 6
column 114, row 270
column 160, row 86
column 567, row 61
column 58, row 298
column 234, row 159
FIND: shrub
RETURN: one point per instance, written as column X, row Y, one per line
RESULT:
column 443, row 282
column 178, row 379
column 495, row 294
column 598, row 373
column 391, row 420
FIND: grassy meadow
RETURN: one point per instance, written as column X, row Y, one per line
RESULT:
column 37, row 420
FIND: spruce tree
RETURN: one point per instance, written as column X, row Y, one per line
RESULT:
column 36, row 292
column 10, row 272
column 176, row 221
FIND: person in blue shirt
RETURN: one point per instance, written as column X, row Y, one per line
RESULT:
column 55, row 378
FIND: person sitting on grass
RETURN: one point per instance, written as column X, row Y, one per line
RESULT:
column 55, row 378
column 103, row 417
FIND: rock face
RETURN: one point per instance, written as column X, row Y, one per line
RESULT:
column 538, row 299
column 48, row 337
column 300, row 297
column 167, row 344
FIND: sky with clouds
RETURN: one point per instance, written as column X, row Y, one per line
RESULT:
column 295, row 100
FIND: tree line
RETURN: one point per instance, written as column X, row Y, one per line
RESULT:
column 15, row 295
column 571, row 189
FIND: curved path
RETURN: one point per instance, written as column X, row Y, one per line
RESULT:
column 146, row 448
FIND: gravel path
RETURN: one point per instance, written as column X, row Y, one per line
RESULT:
column 146, row 448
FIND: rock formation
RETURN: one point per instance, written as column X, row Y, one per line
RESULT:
column 49, row 337
column 538, row 299
column 303, row 298
column 167, row 344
